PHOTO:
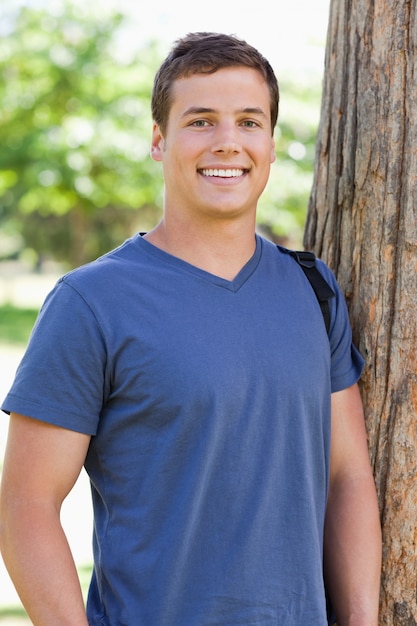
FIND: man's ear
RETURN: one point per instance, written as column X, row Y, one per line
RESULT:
column 157, row 146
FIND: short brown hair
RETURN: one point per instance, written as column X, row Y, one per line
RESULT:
column 205, row 53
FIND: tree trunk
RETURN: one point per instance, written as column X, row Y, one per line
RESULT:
column 362, row 220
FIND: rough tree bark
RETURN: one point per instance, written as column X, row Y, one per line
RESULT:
column 362, row 220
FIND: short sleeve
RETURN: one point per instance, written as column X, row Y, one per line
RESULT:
column 62, row 376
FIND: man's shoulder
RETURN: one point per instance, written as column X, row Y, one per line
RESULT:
column 113, row 262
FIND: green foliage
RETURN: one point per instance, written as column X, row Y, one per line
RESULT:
column 75, row 121
column 16, row 324
column 76, row 177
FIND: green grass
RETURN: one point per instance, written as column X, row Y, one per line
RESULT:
column 16, row 324
column 13, row 611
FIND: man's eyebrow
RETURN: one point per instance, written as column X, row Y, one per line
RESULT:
column 254, row 111
column 196, row 110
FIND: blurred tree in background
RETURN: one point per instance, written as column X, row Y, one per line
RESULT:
column 76, row 177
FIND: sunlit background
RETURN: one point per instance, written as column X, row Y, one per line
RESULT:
column 289, row 34
column 75, row 172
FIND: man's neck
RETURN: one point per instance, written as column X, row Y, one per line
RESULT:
column 222, row 250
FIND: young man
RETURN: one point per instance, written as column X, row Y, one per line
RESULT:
column 191, row 373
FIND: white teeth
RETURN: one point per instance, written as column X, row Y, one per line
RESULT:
column 223, row 173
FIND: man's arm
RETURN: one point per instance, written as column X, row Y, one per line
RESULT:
column 352, row 542
column 42, row 464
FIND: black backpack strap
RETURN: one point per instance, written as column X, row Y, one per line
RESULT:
column 322, row 289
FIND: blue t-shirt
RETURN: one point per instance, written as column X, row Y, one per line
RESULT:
column 208, row 402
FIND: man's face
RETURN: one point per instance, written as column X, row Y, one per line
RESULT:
column 218, row 146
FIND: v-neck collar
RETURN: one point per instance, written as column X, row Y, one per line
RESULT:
column 183, row 266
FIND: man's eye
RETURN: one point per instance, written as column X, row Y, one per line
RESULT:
column 250, row 124
column 199, row 123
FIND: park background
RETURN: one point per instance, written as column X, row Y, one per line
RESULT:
column 75, row 173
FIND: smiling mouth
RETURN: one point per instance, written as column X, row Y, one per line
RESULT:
column 223, row 173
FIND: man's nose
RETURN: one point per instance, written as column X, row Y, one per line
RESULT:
column 226, row 139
